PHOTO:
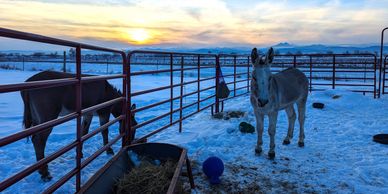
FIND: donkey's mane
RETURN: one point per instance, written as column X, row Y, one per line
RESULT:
column 110, row 86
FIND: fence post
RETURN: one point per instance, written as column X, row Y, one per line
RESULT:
column 217, row 102
column 107, row 61
column 23, row 62
column 311, row 73
column 172, row 88
column 381, row 58
column 234, row 76
column 198, row 82
column 181, row 97
column 294, row 61
column 248, row 76
column 78, row 110
column 64, row 61
column 384, row 69
column 126, row 94
column 333, row 86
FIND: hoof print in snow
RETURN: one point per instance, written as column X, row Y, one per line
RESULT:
column 318, row 105
column 246, row 128
column 271, row 155
column 301, row 144
column 286, row 142
column 381, row 138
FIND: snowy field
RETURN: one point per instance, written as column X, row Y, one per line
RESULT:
column 339, row 155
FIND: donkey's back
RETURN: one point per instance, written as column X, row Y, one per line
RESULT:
column 290, row 85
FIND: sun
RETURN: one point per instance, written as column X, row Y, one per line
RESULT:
column 139, row 35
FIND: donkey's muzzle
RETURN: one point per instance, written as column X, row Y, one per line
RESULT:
column 262, row 103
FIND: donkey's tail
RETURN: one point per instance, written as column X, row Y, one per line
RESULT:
column 27, row 120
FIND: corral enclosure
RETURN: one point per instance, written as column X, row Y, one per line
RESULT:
column 167, row 87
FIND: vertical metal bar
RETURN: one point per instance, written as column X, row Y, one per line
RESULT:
column 234, row 77
column 365, row 71
column 171, row 89
column 384, row 69
column 333, row 84
column 217, row 102
column 311, row 73
column 23, row 62
column 127, row 121
column 248, row 76
column 64, row 61
column 198, row 82
column 374, row 80
column 381, row 57
column 294, row 61
column 131, row 131
column 181, row 97
column 78, row 105
column 107, row 66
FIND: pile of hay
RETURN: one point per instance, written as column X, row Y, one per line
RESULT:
column 147, row 178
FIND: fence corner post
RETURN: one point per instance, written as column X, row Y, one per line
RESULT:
column 217, row 102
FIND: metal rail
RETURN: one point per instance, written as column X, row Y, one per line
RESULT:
column 77, row 81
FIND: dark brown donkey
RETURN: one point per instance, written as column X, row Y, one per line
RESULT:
column 42, row 105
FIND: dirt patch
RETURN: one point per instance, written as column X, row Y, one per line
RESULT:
column 229, row 114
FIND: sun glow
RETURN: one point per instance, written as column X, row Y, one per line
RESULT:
column 139, row 36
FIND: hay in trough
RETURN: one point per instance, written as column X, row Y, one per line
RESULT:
column 147, row 178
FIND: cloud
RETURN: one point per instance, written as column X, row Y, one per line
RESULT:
column 200, row 22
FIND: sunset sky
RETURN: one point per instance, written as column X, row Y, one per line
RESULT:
column 198, row 23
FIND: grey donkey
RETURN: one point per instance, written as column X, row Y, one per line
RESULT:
column 271, row 93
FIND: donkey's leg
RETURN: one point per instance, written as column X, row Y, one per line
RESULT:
column 104, row 118
column 39, row 141
column 301, row 116
column 86, row 121
column 259, row 129
column 42, row 111
column 291, row 123
column 272, row 117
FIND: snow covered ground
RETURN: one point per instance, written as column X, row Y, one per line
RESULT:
column 339, row 155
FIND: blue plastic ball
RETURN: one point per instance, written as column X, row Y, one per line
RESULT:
column 213, row 167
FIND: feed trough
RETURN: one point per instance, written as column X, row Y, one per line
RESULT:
column 105, row 179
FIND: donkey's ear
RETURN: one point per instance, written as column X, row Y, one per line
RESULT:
column 133, row 107
column 270, row 55
column 254, row 55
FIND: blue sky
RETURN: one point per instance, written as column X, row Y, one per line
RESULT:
column 200, row 23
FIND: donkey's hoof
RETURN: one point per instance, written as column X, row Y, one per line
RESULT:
column 301, row 144
column 271, row 155
column 286, row 142
column 109, row 151
column 46, row 178
column 258, row 151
